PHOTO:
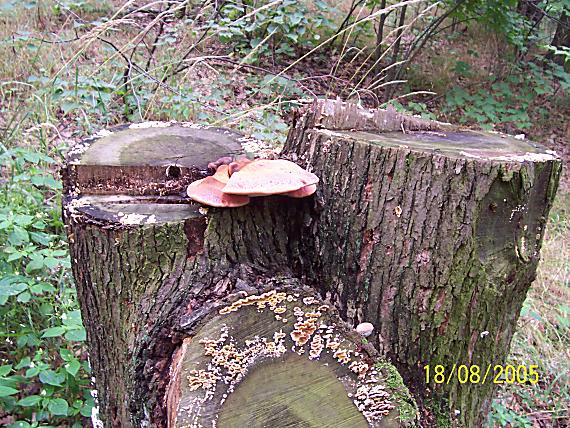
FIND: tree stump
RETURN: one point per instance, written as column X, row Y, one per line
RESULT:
column 215, row 317
column 195, row 316
column 430, row 232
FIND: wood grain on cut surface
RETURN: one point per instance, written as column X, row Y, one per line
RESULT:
column 281, row 359
column 291, row 392
column 184, row 145
column 148, row 159
column 464, row 144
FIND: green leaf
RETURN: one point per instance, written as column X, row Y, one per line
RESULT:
column 40, row 224
column 11, row 289
column 563, row 321
column 47, row 181
column 29, row 401
column 76, row 335
column 24, row 362
column 68, row 106
column 86, row 410
column 23, row 219
column 41, row 237
column 36, row 263
column 18, row 236
column 24, row 297
column 32, row 371
column 58, row 407
column 42, row 287
column 54, row 332
column 20, row 424
column 4, row 370
column 32, row 157
column 46, row 309
column 66, row 354
column 51, row 262
column 73, row 319
column 15, row 256
column 296, row 18
column 73, row 367
column 6, row 391
column 52, row 378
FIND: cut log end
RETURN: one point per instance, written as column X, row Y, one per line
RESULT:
column 156, row 158
column 122, row 210
column 158, row 144
column 454, row 144
column 279, row 359
column 138, row 174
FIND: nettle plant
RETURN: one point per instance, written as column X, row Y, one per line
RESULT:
column 275, row 30
column 44, row 374
column 509, row 100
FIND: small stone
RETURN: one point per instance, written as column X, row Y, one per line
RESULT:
column 365, row 329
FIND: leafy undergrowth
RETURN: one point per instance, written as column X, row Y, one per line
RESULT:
column 44, row 373
column 477, row 83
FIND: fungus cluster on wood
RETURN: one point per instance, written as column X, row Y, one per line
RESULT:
column 292, row 324
column 234, row 183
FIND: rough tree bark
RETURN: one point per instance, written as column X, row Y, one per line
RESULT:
column 196, row 317
column 429, row 232
column 561, row 39
column 156, row 276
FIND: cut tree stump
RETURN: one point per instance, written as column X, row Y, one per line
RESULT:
column 164, row 288
column 430, row 232
column 245, row 316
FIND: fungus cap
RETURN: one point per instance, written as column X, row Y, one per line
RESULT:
column 365, row 329
column 237, row 165
column 221, row 161
column 302, row 192
column 222, row 173
column 208, row 191
column 269, row 177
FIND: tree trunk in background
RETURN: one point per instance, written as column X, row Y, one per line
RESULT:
column 561, row 39
column 389, row 92
column 530, row 10
column 379, row 41
column 207, row 317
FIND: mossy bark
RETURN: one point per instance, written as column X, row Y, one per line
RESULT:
column 153, row 272
column 432, row 234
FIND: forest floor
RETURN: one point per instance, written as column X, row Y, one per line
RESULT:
column 44, row 114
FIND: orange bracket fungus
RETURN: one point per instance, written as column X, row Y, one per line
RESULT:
column 222, row 174
column 237, row 165
column 208, row 191
column 269, row 177
column 235, row 182
column 221, row 161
